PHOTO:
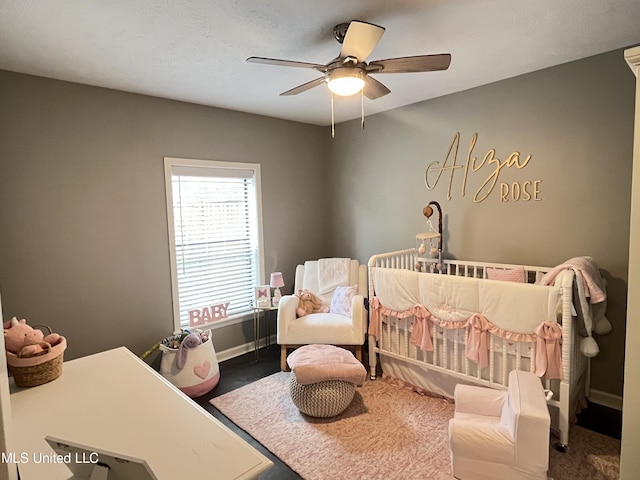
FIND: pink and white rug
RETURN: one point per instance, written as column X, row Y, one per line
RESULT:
column 388, row 432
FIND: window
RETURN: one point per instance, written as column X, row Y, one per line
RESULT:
column 215, row 237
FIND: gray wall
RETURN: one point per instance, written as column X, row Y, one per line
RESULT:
column 83, row 237
column 83, row 232
column 576, row 120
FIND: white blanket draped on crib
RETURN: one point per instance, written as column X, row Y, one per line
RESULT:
column 592, row 298
column 519, row 312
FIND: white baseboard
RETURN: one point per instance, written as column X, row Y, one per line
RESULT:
column 234, row 352
column 242, row 349
column 606, row 399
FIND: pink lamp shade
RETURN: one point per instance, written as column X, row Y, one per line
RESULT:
column 276, row 280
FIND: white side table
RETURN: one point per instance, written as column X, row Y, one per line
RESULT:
column 257, row 311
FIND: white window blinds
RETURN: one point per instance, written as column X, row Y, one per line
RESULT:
column 216, row 239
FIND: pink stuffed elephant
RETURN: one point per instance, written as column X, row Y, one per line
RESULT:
column 20, row 337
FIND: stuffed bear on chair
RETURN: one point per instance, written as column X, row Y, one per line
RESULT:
column 309, row 303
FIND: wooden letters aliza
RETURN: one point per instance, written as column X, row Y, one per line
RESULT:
column 516, row 191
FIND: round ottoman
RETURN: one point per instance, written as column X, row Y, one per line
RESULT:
column 322, row 399
column 324, row 379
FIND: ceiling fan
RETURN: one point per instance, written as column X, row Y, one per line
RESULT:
column 349, row 73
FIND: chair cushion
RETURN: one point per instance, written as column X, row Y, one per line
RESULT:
column 483, row 439
column 320, row 363
column 325, row 328
column 341, row 300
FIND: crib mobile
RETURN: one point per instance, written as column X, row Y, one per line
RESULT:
column 429, row 243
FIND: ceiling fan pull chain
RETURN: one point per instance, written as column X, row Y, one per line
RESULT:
column 333, row 120
column 362, row 107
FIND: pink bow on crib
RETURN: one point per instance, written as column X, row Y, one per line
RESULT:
column 374, row 324
column 477, row 345
column 548, row 354
column 420, row 334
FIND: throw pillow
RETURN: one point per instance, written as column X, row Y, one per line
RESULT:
column 507, row 274
column 341, row 300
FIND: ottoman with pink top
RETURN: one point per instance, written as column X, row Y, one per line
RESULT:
column 324, row 379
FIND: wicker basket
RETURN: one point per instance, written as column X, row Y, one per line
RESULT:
column 38, row 369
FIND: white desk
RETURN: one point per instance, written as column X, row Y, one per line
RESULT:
column 115, row 402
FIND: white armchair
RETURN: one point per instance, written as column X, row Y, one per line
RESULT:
column 497, row 434
column 331, row 328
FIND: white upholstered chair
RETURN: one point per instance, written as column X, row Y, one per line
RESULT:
column 344, row 327
column 497, row 434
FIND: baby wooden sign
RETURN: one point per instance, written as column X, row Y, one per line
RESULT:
column 206, row 315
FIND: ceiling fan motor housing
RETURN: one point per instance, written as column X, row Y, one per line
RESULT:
column 340, row 31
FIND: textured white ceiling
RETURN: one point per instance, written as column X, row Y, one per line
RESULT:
column 195, row 50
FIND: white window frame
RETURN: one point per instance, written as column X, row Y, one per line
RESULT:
column 170, row 165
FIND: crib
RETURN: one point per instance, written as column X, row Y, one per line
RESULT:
column 444, row 364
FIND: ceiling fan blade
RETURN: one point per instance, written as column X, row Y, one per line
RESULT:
column 374, row 89
column 304, row 87
column 285, row 63
column 360, row 40
column 420, row 63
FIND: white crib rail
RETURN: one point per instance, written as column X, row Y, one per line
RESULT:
column 448, row 355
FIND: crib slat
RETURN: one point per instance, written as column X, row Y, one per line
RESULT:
column 505, row 361
column 395, row 341
column 388, row 334
column 456, row 351
column 445, row 348
column 405, row 332
column 466, row 360
column 434, row 332
column 533, row 359
column 492, row 348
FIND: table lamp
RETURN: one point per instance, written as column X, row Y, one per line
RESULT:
column 276, row 282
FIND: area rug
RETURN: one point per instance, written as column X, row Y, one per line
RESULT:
column 388, row 432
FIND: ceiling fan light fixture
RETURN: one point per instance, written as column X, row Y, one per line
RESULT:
column 345, row 81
